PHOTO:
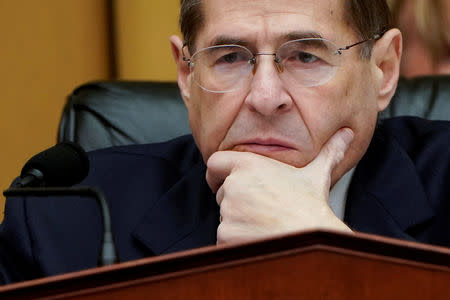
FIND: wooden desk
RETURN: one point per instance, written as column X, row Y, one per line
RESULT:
column 308, row 265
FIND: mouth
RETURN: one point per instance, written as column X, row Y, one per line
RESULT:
column 263, row 146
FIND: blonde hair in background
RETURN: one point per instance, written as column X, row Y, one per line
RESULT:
column 432, row 21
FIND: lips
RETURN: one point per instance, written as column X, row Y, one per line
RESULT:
column 263, row 146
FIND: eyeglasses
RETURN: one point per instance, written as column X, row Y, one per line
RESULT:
column 306, row 62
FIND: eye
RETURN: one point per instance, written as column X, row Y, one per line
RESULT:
column 231, row 58
column 306, row 57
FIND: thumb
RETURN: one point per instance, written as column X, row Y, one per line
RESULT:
column 332, row 153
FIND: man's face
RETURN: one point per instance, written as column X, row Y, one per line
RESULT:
column 286, row 122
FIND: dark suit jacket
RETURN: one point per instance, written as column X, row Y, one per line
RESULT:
column 160, row 202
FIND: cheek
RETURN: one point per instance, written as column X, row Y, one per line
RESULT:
column 347, row 101
column 324, row 110
column 210, row 117
column 355, row 107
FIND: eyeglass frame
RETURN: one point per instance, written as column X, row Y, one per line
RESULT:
column 339, row 51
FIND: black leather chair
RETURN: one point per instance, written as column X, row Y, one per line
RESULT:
column 110, row 113
column 426, row 97
column 103, row 114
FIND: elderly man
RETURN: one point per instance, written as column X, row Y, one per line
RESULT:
column 283, row 98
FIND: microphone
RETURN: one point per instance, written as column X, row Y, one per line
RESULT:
column 64, row 164
column 52, row 172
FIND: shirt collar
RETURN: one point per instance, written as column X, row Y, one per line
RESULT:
column 338, row 194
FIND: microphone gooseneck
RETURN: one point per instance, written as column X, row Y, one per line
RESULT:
column 108, row 252
column 52, row 172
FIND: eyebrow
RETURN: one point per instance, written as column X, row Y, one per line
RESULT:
column 297, row 35
column 316, row 39
column 229, row 40
column 294, row 35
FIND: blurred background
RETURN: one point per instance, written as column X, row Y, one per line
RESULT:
column 49, row 47
column 425, row 25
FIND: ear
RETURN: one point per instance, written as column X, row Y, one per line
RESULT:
column 182, row 67
column 386, row 54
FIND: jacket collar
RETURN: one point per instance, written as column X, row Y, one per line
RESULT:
column 386, row 196
column 185, row 217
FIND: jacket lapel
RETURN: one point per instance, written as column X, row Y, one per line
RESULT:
column 185, row 217
column 386, row 196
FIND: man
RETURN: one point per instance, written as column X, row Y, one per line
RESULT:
column 281, row 111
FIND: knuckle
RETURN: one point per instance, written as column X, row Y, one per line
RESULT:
column 221, row 233
column 339, row 156
column 229, row 184
column 327, row 149
column 224, row 208
column 228, row 210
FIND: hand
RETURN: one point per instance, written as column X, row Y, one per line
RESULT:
column 259, row 196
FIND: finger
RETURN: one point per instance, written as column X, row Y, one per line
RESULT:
column 332, row 153
column 220, row 165
column 220, row 194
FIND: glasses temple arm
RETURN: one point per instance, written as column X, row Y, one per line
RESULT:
column 182, row 51
column 373, row 38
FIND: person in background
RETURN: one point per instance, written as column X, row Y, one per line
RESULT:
column 425, row 25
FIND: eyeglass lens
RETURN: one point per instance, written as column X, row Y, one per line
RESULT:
column 225, row 68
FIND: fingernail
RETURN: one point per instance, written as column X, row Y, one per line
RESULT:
column 347, row 135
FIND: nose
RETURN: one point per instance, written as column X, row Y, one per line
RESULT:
column 268, row 94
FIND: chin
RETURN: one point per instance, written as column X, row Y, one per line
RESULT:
column 294, row 162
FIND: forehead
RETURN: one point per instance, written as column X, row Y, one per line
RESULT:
column 260, row 21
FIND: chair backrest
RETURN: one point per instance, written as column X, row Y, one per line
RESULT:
column 103, row 114
column 111, row 113
column 427, row 97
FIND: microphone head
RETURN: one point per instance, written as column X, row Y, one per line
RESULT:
column 64, row 164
